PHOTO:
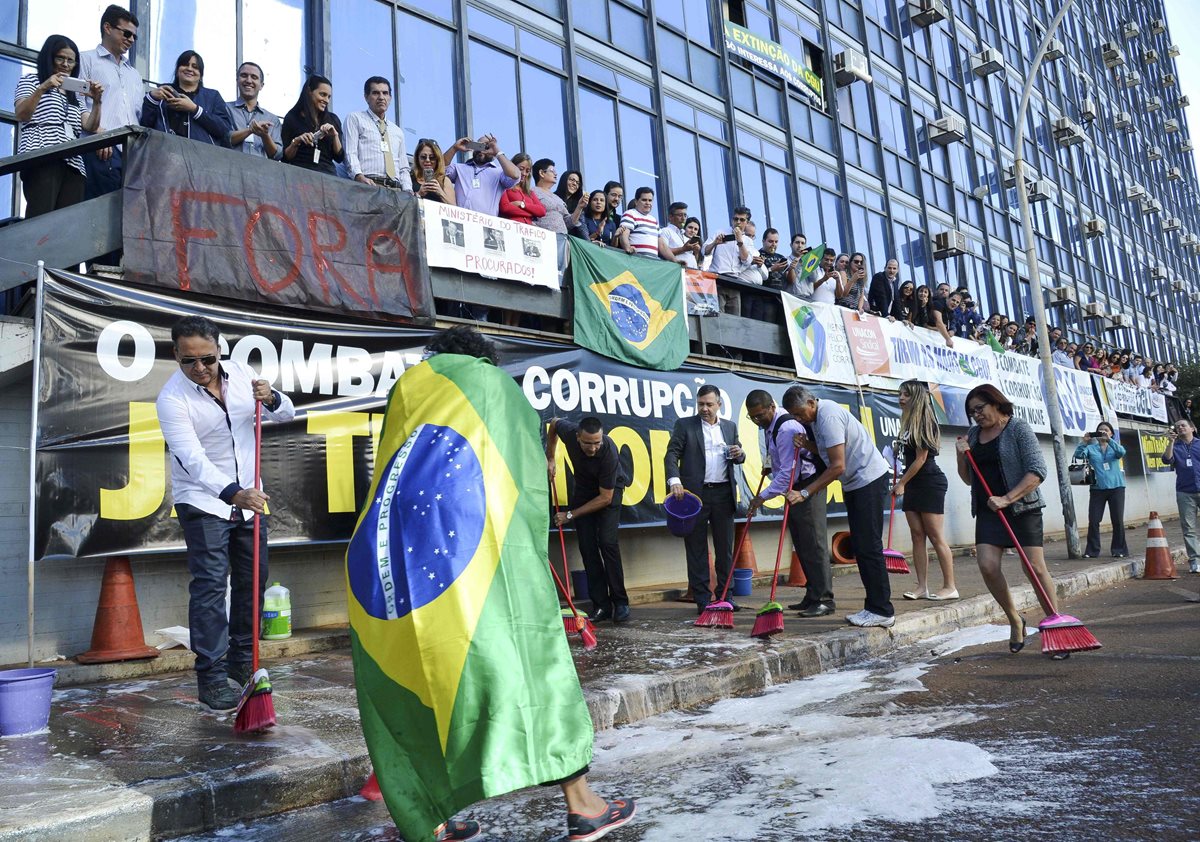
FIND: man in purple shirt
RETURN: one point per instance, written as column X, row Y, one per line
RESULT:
column 806, row 519
column 480, row 182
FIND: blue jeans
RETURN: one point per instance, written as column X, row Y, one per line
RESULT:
column 216, row 548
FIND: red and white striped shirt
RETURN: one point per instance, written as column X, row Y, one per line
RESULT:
column 643, row 232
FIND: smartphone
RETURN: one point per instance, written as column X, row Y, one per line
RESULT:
column 476, row 146
column 693, row 241
column 79, row 86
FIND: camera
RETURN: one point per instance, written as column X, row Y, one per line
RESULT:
column 476, row 146
column 318, row 135
column 79, row 86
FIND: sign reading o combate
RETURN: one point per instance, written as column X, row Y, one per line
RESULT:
column 773, row 58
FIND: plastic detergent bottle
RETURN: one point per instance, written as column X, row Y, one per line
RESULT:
column 277, row 613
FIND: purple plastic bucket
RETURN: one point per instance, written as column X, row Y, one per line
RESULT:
column 682, row 513
column 579, row 585
column 25, row 700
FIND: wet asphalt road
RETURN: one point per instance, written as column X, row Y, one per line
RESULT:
column 975, row 744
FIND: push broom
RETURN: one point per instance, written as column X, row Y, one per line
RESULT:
column 770, row 617
column 1061, row 633
column 573, row 621
column 895, row 561
column 255, row 709
column 719, row 613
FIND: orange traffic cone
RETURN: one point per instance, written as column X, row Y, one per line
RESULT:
column 370, row 790
column 841, row 549
column 796, row 577
column 1158, row 554
column 117, row 631
column 746, row 558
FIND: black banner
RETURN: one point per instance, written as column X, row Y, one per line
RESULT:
column 103, row 483
column 206, row 220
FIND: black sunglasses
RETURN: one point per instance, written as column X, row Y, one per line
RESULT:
column 128, row 33
column 206, row 361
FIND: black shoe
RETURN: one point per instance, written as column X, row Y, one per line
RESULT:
column 1019, row 645
column 1091, row 555
column 457, row 831
column 581, row 828
column 240, row 674
column 819, row 609
column 802, row 605
column 218, row 696
column 700, row 606
column 737, row 607
column 621, row 614
column 599, row 615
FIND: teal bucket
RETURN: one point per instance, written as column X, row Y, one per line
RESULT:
column 25, row 700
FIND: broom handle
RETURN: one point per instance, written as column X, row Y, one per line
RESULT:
column 562, row 540
column 255, row 630
column 742, row 541
column 787, row 507
column 1029, row 571
column 892, row 514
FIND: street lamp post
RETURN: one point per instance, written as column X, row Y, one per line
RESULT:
column 1036, row 295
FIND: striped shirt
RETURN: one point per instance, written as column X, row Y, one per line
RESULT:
column 55, row 120
column 122, row 87
column 364, row 148
column 643, row 232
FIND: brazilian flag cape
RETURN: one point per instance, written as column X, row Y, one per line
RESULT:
column 466, row 687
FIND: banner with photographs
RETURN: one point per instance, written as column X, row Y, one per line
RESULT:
column 700, row 289
column 469, row 241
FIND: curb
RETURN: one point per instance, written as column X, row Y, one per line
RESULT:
column 174, row 807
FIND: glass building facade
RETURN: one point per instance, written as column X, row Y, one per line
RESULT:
column 657, row 93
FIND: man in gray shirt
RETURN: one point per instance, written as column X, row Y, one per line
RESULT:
column 256, row 131
column 850, row 456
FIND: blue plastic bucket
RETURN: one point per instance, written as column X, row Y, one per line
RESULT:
column 25, row 700
column 743, row 581
column 682, row 512
column 579, row 585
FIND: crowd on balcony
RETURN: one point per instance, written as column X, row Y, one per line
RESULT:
column 74, row 93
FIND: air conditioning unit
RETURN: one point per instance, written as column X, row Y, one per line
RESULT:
column 1183, row 102
column 1171, row 125
column 1132, row 79
column 1158, row 273
column 1123, row 120
column 1173, row 51
column 1135, row 191
column 927, row 12
column 1174, row 174
column 1194, row 298
column 948, row 129
column 1187, row 240
column 1158, row 26
column 1112, row 54
column 1169, row 80
column 1093, row 310
column 1146, row 206
column 987, row 61
column 1153, row 153
column 1088, row 110
column 1067, row 132
column 1177, row 286
column 1153, row 103
column 849, row 67
column 1094, row 228
column 1131, row 29
column 1155, row 206
column 1186, row 146
column 949, row 244
column 1117, row 320
column 1062, row 295
column 1008, row 176
column 1150, row 56
column 1055, row 50
column 1041, row 190
column 1171, row 223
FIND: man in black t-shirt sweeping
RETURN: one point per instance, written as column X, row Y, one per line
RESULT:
column 594, row 510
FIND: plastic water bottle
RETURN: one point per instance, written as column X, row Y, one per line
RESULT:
column 277, row 613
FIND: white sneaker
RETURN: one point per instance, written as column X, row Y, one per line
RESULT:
column 1194, row 567
column 867, row 618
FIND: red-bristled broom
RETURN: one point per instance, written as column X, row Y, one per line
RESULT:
column 1061, row 633
column 718, row 614
column 573, row 621
column 255, row 709
column 770, row 617
column 894, row 559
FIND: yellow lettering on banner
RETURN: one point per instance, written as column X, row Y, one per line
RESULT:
column 339, row 429
column 659, row 439
column 752, row 467
column 639, row 483
column 147, row 485
column 376, row 429
column 867, row 416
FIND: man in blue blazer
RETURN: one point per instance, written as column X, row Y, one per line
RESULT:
column 701, row 457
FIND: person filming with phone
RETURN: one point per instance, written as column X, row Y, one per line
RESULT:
column 1104, row 453
column 1183, row 454
column 481, row 181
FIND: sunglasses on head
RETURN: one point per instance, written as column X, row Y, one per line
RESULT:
column 206, row 360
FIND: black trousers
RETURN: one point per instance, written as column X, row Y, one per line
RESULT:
column 216, row 548
column 51, row 187
column 864, row 510
column 717, row 512
column 808, row 524
column 1114, row 498
column 601, row 553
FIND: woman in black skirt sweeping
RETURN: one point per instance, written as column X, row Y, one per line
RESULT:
column 1010, row 459
column 923, row 487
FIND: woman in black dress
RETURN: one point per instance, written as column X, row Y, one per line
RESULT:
column 1010, row 459
column 923, row 487
column 312, row 134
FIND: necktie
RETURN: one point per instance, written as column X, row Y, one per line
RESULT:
column 389, row 162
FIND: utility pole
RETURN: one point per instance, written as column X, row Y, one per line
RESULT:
column 1036, row 293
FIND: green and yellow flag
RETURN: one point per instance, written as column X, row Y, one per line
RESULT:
column 466, row 687
column 809, row 263
column 629, row 308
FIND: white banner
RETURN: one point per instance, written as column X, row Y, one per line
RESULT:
column 895, row 349
column 462, row 239
column 1080, row 412
column 818, row 341
column 1020, row 379
column 1158, row 406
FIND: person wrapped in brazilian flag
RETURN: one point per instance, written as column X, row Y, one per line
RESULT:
column 465, row 682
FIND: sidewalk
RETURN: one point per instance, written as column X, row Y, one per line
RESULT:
column 138, row 759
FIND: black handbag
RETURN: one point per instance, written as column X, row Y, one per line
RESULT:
column 1081, row 472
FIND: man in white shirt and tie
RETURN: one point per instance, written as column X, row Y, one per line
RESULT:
column 375, row 151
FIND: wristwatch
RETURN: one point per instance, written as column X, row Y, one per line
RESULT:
column 570, row 514
column 804, row 495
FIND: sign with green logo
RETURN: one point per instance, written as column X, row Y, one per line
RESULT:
column 773, row 58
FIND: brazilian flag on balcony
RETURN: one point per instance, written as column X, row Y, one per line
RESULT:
column 629, row 308
column 466, row 688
